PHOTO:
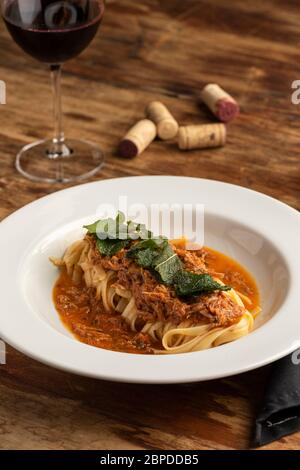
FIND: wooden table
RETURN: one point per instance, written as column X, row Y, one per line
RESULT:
column 154, row 50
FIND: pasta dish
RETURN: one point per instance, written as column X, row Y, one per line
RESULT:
column 126, row 290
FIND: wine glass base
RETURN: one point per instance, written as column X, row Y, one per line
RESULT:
column 76, row 160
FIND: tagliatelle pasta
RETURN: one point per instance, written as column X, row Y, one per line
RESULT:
column 143, row 314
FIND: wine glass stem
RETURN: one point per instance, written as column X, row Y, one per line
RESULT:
column 58, row 139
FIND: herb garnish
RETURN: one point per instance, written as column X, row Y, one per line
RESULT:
column 114, row 234
column 188, row 283
column 158, row 255
column 149, row 252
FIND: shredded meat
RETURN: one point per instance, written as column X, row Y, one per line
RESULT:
column 193, row 260
column 142, row 341
column 155, row 301
column 218, row 307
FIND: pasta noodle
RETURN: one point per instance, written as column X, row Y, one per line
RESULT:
column 184, row 337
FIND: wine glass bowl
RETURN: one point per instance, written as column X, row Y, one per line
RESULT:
column 54, row 32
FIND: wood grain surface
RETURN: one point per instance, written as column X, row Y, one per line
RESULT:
column 149, row 50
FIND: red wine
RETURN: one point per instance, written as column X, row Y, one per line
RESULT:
column 53, row 31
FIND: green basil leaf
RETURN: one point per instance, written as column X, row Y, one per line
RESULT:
column 154, row 244
column 188, row 283
column 92, row 228
column 111, row 247
column 145, row 258
column 167, row 264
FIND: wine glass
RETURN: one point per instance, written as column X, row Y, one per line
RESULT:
column 53, row 32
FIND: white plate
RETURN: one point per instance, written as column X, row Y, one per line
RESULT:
column 258, row 231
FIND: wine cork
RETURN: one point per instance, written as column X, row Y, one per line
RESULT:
column 222, row 105
column 167, row 126
column 201, row 136
column 137, row 138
